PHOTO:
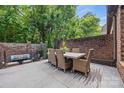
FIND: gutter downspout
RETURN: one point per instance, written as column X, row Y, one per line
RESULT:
column 114, row 41
column 113, row 32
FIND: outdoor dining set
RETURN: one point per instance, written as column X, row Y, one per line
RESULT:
column 73, row 59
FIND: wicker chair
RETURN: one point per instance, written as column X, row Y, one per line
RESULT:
column 52, row 56
column 83, row 65
column 62, row 61
column 76, row 50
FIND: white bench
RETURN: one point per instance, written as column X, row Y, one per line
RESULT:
column 20, row 57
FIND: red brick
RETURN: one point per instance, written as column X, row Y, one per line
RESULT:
column 17, row 48
column 103, row 46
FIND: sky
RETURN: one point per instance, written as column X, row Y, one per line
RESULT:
column 98, row 10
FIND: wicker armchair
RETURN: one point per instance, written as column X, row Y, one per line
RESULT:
column 76, row 50
column 62, row 61
column 52, row 56
column 83, row 65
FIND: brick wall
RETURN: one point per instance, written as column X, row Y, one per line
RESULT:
column 120, row 41
column 118, row 36
column 17, row 48
column 103, row 46
column 120, row 67
column 122, row 34
column 1, row 54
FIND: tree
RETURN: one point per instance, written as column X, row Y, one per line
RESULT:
column 50, row 21
column 15, row 26
column 45, row 24
column 89, row 25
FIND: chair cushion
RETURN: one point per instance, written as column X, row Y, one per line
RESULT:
column 20, row 57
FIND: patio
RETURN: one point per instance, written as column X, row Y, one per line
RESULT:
column 42, row 74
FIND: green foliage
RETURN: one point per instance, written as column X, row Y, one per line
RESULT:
column 64, row 47
column 89, row 25
column 45, row 24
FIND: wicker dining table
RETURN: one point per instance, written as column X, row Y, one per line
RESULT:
column 73, row 55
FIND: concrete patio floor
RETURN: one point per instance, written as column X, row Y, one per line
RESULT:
column 42, row 74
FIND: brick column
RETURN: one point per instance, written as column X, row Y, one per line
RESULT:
column 120, row 41
column 118, row 35
column 122, row 33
